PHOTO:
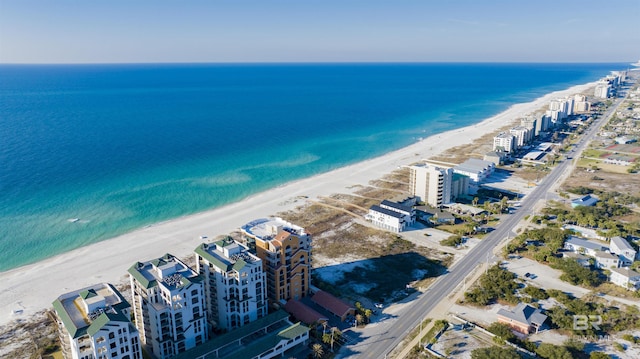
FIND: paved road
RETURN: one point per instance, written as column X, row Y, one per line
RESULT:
column 378, row 340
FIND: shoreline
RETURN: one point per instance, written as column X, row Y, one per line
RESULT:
column 29, row 289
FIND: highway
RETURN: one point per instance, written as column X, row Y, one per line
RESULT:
column 378, row 340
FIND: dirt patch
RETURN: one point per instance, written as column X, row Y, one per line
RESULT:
column 618, row 182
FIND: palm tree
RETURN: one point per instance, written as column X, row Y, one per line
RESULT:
column 318, row 350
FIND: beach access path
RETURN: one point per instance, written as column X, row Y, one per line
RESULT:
column 30, row 289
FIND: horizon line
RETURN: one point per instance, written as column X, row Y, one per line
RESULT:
column 315, row 62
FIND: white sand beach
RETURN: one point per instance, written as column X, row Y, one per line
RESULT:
column 27, row 290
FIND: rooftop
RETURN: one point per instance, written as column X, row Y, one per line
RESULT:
column 227, row 254
column 88, row 309
column 267, row 228
column 388, row 212
column 474, row 165
column 622, row 243
column 278, row 329
column 525, row 314
column 303, row 312
column 331, row 303
column 577, row 241
column 397, row 206
column 167, row 271
column 625, row 271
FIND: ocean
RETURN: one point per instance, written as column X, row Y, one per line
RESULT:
column 88, row 152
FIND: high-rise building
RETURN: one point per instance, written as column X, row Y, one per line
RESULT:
column 285, row 251
column 581, row 104
column 504, row 142
column 531, row 123
column 169, row 305
column 93, row 322
column 603, row 89
column 522, row 135
column 235, row 284
column 431, row 184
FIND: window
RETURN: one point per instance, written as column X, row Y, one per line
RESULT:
column 111, row 335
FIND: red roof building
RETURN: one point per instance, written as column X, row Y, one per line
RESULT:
column 333, row 304
column 304, row 313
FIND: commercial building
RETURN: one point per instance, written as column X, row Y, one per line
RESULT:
column 235, row 284
column 169, row 305
column 93, row 322
column 285, row 251
column 431, row 184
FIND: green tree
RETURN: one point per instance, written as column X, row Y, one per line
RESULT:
column 599, row 355
column 502, row 330
column 494, row 352
column 550, row 351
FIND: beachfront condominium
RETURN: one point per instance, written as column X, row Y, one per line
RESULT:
column 431, row 184
column 285, row 251
column 603, row 89
column 168, row 305
column 581, row 103
column 522, row 136
column 93, row 322
column 234, row 283
column 504, row 142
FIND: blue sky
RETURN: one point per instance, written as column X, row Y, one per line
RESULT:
column 63, row 31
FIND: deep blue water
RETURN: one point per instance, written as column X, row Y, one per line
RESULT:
column 124, row 146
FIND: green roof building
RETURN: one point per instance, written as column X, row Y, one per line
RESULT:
column 93, row 322
column 235, row 283
column 168, row 305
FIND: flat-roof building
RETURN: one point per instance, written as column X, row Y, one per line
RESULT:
column 285, row 251
column 235, row 283
column 477, row 170
column 93, row 322
column 504, row 142
column 169, row 305
column 431, row 184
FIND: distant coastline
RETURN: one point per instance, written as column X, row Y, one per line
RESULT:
column 26, row 290
column 73, row 200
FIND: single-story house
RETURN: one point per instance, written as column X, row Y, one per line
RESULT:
column 587, row 201
column 334, row 305
column 523, row 318
column 579, row 257
column 304, row 313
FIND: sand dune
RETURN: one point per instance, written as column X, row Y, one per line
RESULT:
column 29, row 289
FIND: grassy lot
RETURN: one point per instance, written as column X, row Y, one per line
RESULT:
column 387, row 275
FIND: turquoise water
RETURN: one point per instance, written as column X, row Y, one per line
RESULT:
column 123, row 146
